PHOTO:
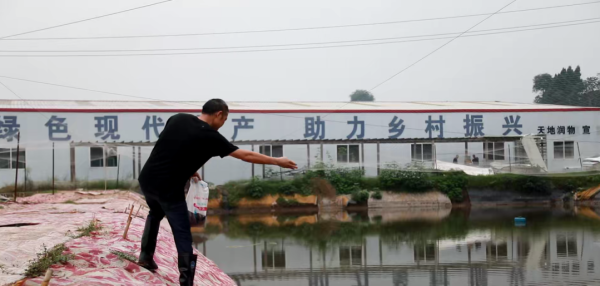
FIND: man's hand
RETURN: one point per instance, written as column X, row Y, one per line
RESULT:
column 284, row 162
column 196, row 177
column 257, row 158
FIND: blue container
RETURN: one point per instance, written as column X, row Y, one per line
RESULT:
column 520, row 221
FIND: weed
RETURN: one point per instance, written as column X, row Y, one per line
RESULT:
column 88, row 229
column 69, row 202
column 47, row 258
column 124, row 255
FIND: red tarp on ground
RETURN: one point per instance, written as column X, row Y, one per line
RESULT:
column 94, row 264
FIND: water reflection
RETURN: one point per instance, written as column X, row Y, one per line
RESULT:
column 410, row 247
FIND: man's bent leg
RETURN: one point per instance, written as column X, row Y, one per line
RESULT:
column 155, row 215
column 178, row 217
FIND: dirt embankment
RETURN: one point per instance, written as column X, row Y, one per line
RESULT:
column 55, row 220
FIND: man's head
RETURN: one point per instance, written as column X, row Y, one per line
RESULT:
column 215, row 112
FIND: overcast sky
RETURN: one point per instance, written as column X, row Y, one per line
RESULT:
column 486, row 68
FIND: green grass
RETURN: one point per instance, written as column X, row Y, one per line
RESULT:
column 69, row 202
column 60, row 185
column 1, row 207
column 88, row 229
column 124, row 256
column 45, row 259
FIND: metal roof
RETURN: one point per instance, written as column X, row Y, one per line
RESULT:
column 274, row 107
column 324, row 141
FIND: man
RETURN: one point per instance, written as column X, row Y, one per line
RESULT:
column 455, row 161
column 475, row 160
column 186, row 143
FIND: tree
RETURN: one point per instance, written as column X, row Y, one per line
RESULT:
column 591, row 91
column 362, row 95
column 564, row 88
column 542, row 82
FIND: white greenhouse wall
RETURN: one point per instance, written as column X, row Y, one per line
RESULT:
column 37, row 139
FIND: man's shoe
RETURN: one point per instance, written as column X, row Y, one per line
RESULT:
column 187, row 268
column 147, row 261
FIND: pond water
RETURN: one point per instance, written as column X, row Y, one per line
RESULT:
column 407, row 247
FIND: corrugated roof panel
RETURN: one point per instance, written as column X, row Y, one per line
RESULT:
column 278, row 106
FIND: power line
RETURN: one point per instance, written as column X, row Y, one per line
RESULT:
column 301, row 28
column 199, row 105
column 422, row 58
column 150, row 98
column 290, row 49
column 296, row 44
column 80, row 21
column 439, row 48
column 81, row 88
column 181, row 102
column 26, row 102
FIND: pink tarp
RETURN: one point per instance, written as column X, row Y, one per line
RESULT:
column 94, row 263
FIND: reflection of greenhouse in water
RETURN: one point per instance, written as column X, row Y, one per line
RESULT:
column 549, row 257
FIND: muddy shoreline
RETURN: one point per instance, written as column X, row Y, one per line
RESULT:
column 477, row 199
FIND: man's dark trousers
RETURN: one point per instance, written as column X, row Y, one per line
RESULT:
column 177, row 215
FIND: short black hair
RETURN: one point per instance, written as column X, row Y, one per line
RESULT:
column 215, row 105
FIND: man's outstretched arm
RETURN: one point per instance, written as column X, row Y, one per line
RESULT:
column 257, row 158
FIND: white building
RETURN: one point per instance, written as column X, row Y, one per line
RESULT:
column 572, row 133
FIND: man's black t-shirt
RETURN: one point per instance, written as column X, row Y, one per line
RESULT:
column 185, row 145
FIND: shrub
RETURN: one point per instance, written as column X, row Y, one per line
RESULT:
column 455, row 195
column 388, row 178
column 360, row 196
column 255, row 190
column 452, row 184
column 377, row 195
column 395, row 179
column 302, row 186
column 287, row 189
column 370, row 183
column 415, row 181
column 534, row 185
column 344, row 180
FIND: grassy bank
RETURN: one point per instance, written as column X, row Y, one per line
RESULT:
column 46, row 186
column 326, row 182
